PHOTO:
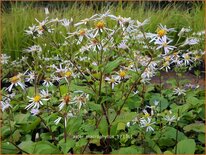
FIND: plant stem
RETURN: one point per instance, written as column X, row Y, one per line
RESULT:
column 177, row 133
column 132, row 87
column 50, row 131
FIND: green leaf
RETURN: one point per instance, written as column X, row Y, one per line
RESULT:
column 168, row 136
column 16, row 136
column 197, row 127
column 201, row 138
column 31, row 125
column 73, row 124
column 8, row 148
column 154, row 146
column 128, row 150
column 121, row 126
column 45, row 147
column 27, row 146
column 133, row 102
column 64, row 89
column 194, row 101
column 168, row 152
column 5, row 131
column 125, row 117
column 103, row 126
column 112, row 65
column 21, row 118
column 186, row 146
column 65, row 147
column 94, row 107
column 163, row 102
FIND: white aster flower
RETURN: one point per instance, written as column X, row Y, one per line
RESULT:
column 35, row 102
column 16, row 81
column 114, row 80
column 65, row 101
column 5, row 104
column 170, row 119
column 30, row 77
column 80, row 99
column 4, row 58
column 47, row 82
column 57, row 120
column 146, row 123
column 178, row 91
column 191, row 41
column 163, row 43
column 33, row 49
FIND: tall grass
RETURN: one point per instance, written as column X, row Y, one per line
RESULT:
column 15, row 21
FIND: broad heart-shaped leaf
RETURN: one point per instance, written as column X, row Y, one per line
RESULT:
column 112, row 65
column 45, row 147
column 194, row 101
column 8, row 148
column 125, row 117
column 5, row 131
column 186, row 146
column 168, row 152
column 153, row 145
column 163, row 102
column 31, row 125
column 128, row 150
column 121, row 126
column 27, row 146
column 21, row 118
column 103, row 126
column 168, row 136
column 63, row 89
column 133, row 102
column 197, row 127
column 65, row 147
column 201, row 138
column 73, row 124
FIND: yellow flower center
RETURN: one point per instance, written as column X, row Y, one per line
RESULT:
column 175, row 54
column 37, row 98
column 146, row 115
column 61, row 74
column 112, row 80
column 47, row 79
column 100, row 25
column 164, row 44
column 95, row 41
column 68, row 74
column 167, row 58
column 197, row 57
column 66, row 99
column 187, row 57
column 82, row 32
column 166, row 63
column 41, row 28
column 161, row 32
column 14, row 79
column 122, row 74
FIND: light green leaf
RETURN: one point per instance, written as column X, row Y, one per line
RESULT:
column 128, row 150
column 112, row 65
column 65, row 147
column 186, row 146
column 197, row 127
column 8, row 148
column 27, row 146
column 45, row 147
column 121, row 126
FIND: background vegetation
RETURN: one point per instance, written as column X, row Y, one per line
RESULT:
column 16, row 17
